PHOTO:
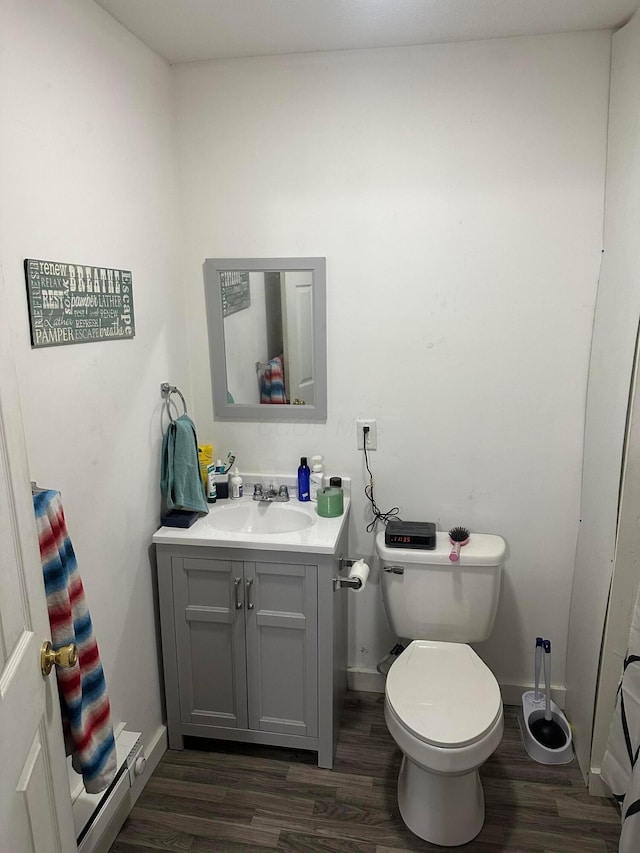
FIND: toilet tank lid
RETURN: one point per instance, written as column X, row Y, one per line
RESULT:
column 484, row 549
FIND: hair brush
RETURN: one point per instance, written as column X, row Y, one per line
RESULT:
column 458, row 536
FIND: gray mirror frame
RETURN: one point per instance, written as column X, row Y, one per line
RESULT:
column 215, row 324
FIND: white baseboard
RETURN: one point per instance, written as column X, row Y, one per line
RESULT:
column 153, row 753
column 366, row 680
column 371, row 681
column 597, row 786
column 157, row 747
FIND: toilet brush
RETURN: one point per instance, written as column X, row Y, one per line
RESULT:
column 546, row 730
column 539, row 641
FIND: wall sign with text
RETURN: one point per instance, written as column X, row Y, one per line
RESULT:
column 236, row 293
column 77, row 303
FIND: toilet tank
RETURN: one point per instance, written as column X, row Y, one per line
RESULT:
column 428, row 597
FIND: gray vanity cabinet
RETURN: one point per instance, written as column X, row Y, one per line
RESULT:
column 254, row 646
column 281, row 610
column 210, row 641
column 246, row 642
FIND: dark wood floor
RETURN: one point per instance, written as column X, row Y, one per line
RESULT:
column 235, row 799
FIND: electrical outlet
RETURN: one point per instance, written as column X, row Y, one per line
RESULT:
column 371, row 436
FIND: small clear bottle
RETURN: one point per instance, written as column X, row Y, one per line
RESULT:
column 315, row 479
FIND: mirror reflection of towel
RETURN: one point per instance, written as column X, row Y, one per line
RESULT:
column 272, row 382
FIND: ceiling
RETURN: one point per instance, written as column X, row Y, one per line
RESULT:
column 191, row 30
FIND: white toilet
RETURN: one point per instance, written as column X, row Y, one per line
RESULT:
column 442, row 703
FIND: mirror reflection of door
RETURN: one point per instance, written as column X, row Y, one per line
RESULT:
column 297, row 312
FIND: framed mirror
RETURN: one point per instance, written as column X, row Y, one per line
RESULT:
column 266, row 319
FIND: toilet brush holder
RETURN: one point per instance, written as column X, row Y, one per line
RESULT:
column 532, row 710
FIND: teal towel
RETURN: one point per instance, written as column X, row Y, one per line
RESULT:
column 180, row 480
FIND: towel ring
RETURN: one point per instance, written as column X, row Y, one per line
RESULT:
column 166, row 391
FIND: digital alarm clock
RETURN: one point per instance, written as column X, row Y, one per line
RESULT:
column 410, row 534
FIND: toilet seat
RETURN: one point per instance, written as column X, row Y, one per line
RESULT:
column 443, row 694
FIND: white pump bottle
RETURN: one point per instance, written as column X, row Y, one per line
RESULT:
column 315, row 479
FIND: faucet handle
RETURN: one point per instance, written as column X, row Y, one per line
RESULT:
column 257, row 490
column 283, row 492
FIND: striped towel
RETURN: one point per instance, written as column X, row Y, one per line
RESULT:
column 86, row 714
column 272, row 382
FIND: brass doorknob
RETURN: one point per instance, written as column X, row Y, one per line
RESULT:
column 66, row 656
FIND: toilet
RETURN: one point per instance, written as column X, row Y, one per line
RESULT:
column 442, row 702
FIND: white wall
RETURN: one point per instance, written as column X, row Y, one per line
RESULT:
column 614, row 340
column 87, row 166
column 457, row 194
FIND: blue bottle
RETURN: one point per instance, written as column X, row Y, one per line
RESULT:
column 303, row 480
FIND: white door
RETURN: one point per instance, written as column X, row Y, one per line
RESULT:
column 297, row 311
column 35, row 804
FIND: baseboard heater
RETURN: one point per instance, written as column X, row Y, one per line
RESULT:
column 98, row 817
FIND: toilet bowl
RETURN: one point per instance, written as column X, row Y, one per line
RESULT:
column 444, row 710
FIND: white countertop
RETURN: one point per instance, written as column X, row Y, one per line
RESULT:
column 321, row 537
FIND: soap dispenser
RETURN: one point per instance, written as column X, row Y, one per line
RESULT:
column 331, row 499
column 315, row 480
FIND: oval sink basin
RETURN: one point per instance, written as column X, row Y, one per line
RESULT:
column 259, row 518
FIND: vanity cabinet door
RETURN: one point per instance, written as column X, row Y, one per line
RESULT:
column 282, row 647
column 210, row 641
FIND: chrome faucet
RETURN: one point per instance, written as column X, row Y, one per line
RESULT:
column 271, row 493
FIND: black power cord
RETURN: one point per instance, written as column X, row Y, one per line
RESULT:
column 378, row 515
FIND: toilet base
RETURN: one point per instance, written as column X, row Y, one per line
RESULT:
column 445, row 810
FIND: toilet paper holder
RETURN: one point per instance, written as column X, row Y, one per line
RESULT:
column 350, row 583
